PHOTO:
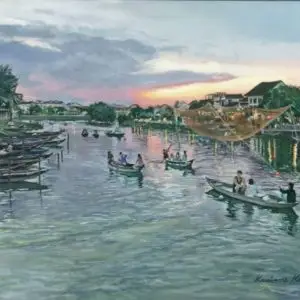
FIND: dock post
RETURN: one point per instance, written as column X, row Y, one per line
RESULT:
column 40, row 171
column 58, row 161
column 68, row 142
column 62, row 155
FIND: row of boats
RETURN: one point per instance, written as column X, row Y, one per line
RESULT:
column 22, row 150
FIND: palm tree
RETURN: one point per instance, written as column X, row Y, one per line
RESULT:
column 8, row 86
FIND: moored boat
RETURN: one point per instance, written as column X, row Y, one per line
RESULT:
column 178, row 164
column 226, row 189
column 111, row 133
column 115, row 131
column 20, row 175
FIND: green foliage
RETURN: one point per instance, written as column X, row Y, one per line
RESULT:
column 136, row 112
column 101, row 112
column 199, row 103
column 283, row 96
column 60, row 110
column 8, row 86
column 35, row 109
column 50, row 110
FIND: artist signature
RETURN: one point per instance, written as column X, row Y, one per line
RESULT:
column 272, row 279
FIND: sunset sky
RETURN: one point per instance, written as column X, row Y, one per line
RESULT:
column 147, row 52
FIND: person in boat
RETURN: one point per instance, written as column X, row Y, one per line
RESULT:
column 290, row 193
column 110, row 157
column 139, row 162
column 9, row 148
column 95, row 134
column 122, row 159
column 239, row 183
column 184, row 156
column 165, row 154
column 252, row 189
column 84, row 132
column 171, row 156
column 177, row 157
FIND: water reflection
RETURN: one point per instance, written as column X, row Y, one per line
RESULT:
column 280, row 152
column 290, row 220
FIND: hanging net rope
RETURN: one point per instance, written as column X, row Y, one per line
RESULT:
column 229, row 124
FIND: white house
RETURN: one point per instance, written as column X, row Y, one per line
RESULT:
column 256, row 95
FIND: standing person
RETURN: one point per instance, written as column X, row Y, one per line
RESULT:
column 239, row 183
column 165, row 154
column 177, row 156
column 290, row 193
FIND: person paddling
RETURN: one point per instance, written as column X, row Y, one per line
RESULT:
column 239, row 183
column 290, row 193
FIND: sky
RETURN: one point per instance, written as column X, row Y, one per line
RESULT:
column 147, row 52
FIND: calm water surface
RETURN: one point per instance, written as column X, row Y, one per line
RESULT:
column 93, row 235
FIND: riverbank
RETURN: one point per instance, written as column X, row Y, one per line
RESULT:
column 58, row 118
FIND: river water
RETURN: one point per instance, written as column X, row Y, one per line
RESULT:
column 94, row 236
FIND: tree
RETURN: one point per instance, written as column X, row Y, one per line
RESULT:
column 50, row 110
column 35, row 109
column 283, row 96
column 136, row 112
column 101, row 112
column 8, row 87
column 60, row 110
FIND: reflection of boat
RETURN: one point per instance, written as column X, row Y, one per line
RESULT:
column 115, row 131
column 17, row 176
column 22, row 186
column 179, row 164
column 224, row 189
column 129, row 169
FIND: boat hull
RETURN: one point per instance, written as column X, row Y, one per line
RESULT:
column 114, row 134
column 221, row 187
column 179, row 165
column 128, row 170
column 20, row 176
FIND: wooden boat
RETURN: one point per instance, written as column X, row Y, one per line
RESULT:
column 111, row 133
column 21, row 175
column 25, row 160
column 16, row 153
column 225, row 189
column 179, row 164
column 129, row 169
column 22, row 186
column 53, row 143
column 115, row 131
column 84, row 133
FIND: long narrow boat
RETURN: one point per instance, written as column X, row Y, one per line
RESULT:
column 224, row 189
column 21, row 175
column 26, row 160
column 179, row 164
column 129, row 169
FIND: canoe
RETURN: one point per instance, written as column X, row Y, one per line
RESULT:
column 26, row 160
column 17, row 176
column 22, row 186
column 179, row 164
column 116, row 134
column 128, row 169
column 53, row 143
column 224, row 189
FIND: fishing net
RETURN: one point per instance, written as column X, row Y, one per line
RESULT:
column 229, row 124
